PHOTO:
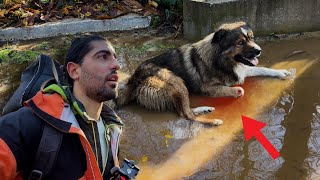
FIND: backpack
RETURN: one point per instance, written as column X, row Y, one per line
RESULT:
column 43, row 69
column 33, row 78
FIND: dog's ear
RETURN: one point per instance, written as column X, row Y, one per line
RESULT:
column 219, row 35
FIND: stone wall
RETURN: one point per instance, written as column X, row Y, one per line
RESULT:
column 264, row 16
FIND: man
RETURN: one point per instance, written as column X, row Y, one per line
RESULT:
column 90, row 129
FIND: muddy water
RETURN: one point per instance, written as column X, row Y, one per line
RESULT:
column 166, row 146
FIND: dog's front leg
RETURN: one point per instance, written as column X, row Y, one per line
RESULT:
column 222, row 91
column 263, row 71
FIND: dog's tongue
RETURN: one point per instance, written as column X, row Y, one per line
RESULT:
column 254, row 61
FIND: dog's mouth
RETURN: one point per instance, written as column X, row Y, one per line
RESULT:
column 247, row 61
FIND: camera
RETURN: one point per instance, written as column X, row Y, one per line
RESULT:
column 128, row 169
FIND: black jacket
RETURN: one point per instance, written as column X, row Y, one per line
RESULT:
column 21, row 131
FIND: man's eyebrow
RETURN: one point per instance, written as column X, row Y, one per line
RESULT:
column 106, row 52
column 102, row 51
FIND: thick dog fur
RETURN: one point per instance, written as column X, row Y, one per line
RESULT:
column 208, row 67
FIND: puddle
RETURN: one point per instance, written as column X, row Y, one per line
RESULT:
column 290, row 109
column 166, row 146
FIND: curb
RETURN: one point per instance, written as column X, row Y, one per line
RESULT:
column 75, row 26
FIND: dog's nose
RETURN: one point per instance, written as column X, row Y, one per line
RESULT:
column 256, row 52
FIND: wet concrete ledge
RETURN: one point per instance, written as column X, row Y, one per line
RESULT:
column 200, row 17
column 75, row 26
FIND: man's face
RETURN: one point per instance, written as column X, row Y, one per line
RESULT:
column 98, row 78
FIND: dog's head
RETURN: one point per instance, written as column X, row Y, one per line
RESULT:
column 235, row 41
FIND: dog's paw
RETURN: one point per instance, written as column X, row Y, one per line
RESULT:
column 237, row 92
column 283, row 74
column 202, row 110
column 217, row 122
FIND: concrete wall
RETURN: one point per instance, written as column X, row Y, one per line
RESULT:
column 200, row 17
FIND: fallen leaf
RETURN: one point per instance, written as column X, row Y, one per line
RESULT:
column 144, row 159
column 65, row 11
column 81, row 16
column 115, row 12
column 53, row 19
column 35, row 11
column 24, row 22
column 26, row 14
column 168, row 136
column 50, row 6
column 153, row 3
column 31, row 19
column 14, row 7
column 295, row 53
column 105, row 16
column 87, row 14
column 147, row 13
column 166, row 142
column 133, row 4
column 136, row 10
column 151, row 10
column 3, row 12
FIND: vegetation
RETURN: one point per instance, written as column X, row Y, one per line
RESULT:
column 171, row 13
column 144, row 48
column 22, row 13
column 11, row 55
column 16, row 54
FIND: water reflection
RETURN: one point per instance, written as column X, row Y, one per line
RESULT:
column 156, row 135
column 240, row 160
column 312, row 162
column 184, row 129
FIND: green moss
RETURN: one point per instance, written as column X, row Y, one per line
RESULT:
column 59, row 54
column 157, row 45
column 4, row 53
column 143, row 48
column 42, row 46
column 155, row 21
column 10, row 55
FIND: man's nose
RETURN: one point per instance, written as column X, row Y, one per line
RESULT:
column 116, row 65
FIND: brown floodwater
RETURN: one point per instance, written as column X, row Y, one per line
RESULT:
column 167, row 147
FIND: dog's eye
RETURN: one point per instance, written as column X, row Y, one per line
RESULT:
column 241, row 43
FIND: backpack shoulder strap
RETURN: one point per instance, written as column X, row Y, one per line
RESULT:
column 47, row 153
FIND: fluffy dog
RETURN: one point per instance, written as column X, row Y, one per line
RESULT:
column 208, row 67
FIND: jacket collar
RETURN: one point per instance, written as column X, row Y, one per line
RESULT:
column 49, row 104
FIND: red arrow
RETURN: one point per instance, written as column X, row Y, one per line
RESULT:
column 252, row 128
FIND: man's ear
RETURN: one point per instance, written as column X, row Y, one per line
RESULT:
column 219, row 35
column 73, row 70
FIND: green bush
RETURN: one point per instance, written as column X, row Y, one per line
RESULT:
column 171, row 9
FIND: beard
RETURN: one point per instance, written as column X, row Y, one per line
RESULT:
column 96, row 86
